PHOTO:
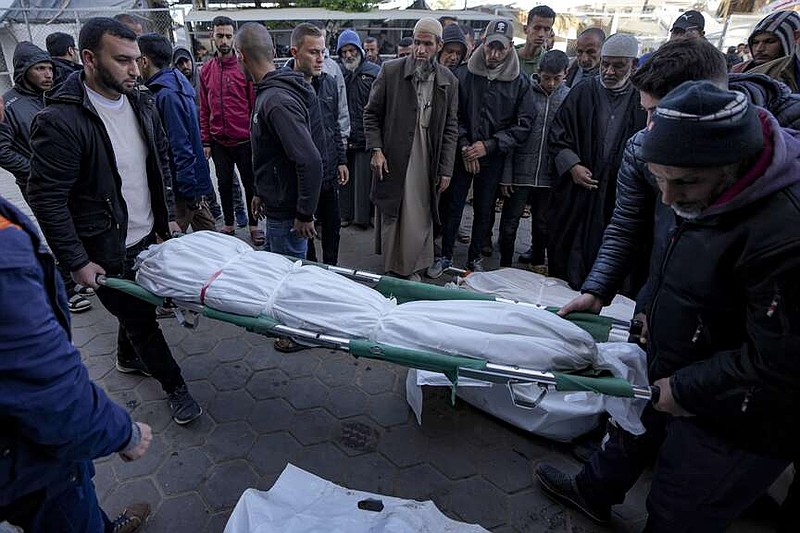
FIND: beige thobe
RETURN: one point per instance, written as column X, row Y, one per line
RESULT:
column 408, row 238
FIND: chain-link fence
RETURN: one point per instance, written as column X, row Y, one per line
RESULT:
column 36, row 24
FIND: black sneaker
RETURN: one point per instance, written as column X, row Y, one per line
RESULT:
column 184, row 408
column 132, row 366
column 562, row 487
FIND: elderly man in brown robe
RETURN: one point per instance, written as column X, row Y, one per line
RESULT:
column 411, row 127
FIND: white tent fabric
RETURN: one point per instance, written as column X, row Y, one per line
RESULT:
column 300, row 502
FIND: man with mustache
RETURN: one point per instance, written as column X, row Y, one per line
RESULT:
column 586, row 142
column 226, row 103
column 359, row 75
column 495, row 115
column 101, row 189
column 411, row 127
column 587, row 56
column 772, row 38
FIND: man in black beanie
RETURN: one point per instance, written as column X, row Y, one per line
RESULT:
column 725, row 322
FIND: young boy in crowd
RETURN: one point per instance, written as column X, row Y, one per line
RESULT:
column 528, row 172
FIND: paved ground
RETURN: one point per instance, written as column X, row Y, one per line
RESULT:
column 339, row 418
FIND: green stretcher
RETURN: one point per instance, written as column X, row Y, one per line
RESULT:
column 452, row 366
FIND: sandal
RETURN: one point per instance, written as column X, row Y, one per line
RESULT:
column 287, row 345
column 226, row 231
column 257, row 237
column 526, row 212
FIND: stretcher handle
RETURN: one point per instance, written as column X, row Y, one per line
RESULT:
column 130, row 287
column 611, row 386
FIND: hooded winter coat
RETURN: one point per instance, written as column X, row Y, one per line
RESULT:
column 54, row 419
column 358, row 84
column 75, row 189
column 726, row 328
column 226, row 102
column 288, row 142
column 175, row 100
column 531, row 165
column 22, row 103
column 181, row 52
column 328, row 98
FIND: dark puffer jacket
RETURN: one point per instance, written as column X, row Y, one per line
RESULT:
column 725, row 321
column 22, row 103
column 639, row 214
column 359, row 84
column 75, row 189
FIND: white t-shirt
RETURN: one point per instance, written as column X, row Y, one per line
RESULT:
column 130, row 153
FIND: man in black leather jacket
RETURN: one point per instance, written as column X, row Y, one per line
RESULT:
column 725, row 319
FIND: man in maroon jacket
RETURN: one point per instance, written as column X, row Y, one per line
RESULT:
column 226, row 103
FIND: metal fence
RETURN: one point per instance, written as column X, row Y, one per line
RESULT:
column 35, row 24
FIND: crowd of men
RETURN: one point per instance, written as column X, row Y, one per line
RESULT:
column 660, row 177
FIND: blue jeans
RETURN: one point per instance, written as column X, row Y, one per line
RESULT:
column 64, row 507
column 282, row 240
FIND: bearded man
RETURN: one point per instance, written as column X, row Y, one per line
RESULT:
column 101, row 189
column 411, row 127
column 586, row 142
column 354, row 204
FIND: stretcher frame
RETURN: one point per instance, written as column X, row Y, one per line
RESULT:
column 452, row 366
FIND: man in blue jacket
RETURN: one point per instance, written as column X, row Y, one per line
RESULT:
column 55, row 420
column 175, row 100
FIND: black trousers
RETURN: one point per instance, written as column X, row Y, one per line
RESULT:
column 484, row 192
column 509, row 223
column 328, row 218
column 139, row 334
column 701, row 482
column 226, row 158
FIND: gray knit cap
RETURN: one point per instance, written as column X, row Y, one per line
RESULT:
column 620, row 45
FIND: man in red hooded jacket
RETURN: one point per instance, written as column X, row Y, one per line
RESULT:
column 226, row 103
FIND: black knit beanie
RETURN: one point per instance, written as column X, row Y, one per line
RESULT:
column 700, row 125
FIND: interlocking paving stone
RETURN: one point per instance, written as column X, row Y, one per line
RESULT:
column 343, row 402
column 324, row 460
column 267, row 384
column 312, row 427
column 269, row 416
column 493, row 508
column 233, row 349
column 300, row 364
column 231, row 440
column 197, row 367
column 374, row 377
column 230, row 376
column 129, row 492
column 183, row 471
column 389, row 409
column 305, row 393
column 404, row 446
column 226, row 482
column 182, row 513
column 337, row 369
column 231, row 405
column 271, row 453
